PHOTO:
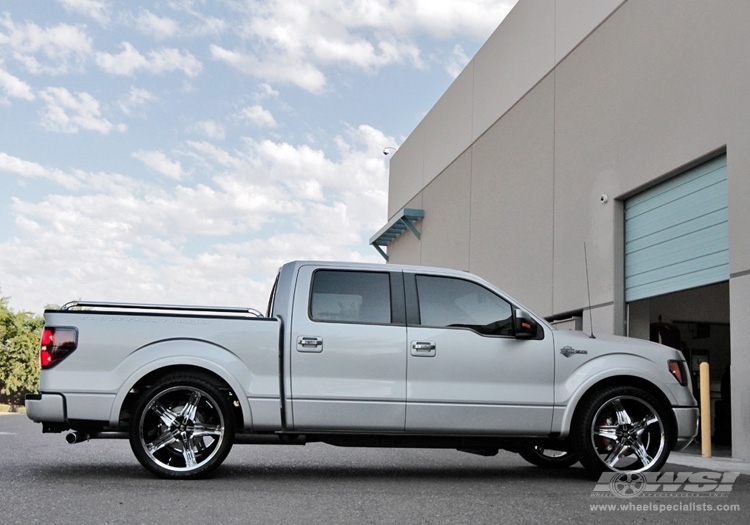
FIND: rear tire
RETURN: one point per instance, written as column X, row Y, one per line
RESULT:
column 182, row 427
column 622, row 429
column 548, row 458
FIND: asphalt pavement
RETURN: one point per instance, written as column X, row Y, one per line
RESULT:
column 44, row 480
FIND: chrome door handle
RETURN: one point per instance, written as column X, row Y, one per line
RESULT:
column 423, row 349
column 309, row 344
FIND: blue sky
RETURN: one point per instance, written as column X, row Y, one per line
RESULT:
column 180, row 151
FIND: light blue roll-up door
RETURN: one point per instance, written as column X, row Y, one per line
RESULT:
column 677, row 234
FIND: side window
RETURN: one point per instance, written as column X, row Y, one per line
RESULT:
column 451, row 302
column 351, row 297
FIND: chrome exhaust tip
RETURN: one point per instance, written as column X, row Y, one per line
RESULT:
column 76, row 437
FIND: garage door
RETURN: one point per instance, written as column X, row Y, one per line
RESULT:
column 676, row 233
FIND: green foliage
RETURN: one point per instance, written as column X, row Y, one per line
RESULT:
column 19, row 351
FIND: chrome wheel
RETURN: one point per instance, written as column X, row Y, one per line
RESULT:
column 182, row 428
column 623, row 429
column 628, row 434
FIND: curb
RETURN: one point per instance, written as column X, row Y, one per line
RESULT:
column 717, row 464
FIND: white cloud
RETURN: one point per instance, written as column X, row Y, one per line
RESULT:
column 457, row 61
column 125, row 63
column 13, row 86
column 327, row 34
column 136, row 99
column 211, row 129
column 130, row 61
column 172, row 59
column 66, row 112
column 128, row 240
column 158, row 161
column 49, row 50
column 449, row 18
column 20, row 166
column 156, row 26
column 284, row 69
column 208, row 154
column 28, row 169
column 201, row 24
column 292, row 40
column 266, row 91
column 207, row 220
column 259, row 116
column 207, row 26
column 95, row 9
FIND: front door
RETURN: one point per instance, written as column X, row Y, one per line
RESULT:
column 467, row 373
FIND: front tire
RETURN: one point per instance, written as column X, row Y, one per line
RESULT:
column 622, row 429
column 182, row 427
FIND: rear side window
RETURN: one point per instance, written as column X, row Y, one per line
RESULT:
column 455, row 303
column 351, row 297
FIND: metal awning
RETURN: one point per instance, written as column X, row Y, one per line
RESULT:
column 400, row 222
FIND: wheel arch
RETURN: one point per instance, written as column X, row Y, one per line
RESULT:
column 142, row 384
column 626, row 380
column 187, row 356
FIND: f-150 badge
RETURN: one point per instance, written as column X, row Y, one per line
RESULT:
column 568, row 351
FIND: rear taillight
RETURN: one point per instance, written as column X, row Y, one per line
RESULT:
column 56, row 345
column 677, row 369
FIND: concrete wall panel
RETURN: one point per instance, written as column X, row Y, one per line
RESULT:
column 448, row 126
column 738, row 181
column 406, row 169
column 407, row 249
column 575, row 19
column 739, row 304
column 517, row 55
column 512, row 201
column 447, row 205
column 643, row 96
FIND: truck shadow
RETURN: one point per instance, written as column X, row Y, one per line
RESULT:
column 306, row 473
column 411, row 473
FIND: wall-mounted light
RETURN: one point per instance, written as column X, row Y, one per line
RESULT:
column 389, row 149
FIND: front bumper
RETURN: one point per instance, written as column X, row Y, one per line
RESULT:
column 687, row 426
column 46, row 408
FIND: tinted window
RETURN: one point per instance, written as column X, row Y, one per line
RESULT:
column 449, row 302
column 351, row 297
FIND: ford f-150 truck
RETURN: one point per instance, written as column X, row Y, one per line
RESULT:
column 360, row 355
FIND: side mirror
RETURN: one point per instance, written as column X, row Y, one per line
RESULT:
column 524, row 327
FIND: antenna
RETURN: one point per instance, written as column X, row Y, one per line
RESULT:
column 588, row 289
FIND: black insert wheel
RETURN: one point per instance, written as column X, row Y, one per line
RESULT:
column 544, row 457
column 622, row 429
column 182, row 427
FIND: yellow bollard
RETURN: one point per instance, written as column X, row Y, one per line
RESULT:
column 705, row 382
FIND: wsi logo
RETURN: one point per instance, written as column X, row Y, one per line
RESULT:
column 626, row 485
column 678, row 484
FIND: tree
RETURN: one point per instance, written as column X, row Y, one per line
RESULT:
column 20, row 333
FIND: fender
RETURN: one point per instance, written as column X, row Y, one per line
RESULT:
column 181, row 352
column 597, row 369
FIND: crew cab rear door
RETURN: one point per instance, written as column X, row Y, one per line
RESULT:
column 348, row 350
column 467, row 372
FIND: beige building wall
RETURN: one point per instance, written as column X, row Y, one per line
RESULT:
column 512, row 195
column 570, row 100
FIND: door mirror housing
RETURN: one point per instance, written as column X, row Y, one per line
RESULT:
column 524, row 326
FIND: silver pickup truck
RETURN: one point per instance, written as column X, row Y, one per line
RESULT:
column 360, row 355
